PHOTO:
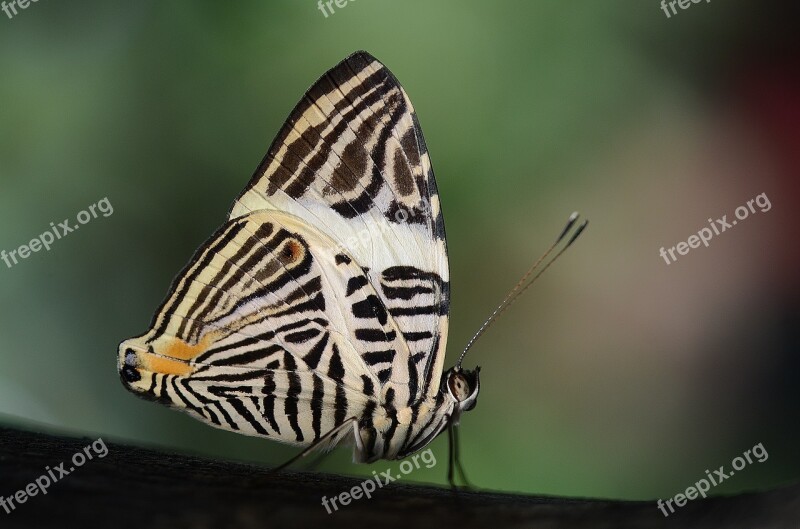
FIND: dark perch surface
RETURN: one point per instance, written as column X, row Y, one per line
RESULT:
column 135, row 487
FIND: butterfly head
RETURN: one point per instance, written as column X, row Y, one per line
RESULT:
column 463, row 387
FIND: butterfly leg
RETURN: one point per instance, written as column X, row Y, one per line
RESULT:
column 454, row 459
column 317, row 444
column 450, row 466
column 457, row 458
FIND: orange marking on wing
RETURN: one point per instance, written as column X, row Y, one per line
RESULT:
column 166, row 366
column 291, row 252
column 184, row 351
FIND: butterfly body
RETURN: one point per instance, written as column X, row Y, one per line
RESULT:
column 318, row 313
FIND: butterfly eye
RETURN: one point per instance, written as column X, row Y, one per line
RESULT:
column 459, row 387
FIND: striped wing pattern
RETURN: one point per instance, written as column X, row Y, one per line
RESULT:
column 325, row 295
column 351, row 160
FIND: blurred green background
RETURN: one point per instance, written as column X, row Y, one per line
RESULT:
column 618, row 376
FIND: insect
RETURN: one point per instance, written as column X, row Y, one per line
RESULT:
column 317, row 315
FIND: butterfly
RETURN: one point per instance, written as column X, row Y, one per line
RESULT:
column 317, row 315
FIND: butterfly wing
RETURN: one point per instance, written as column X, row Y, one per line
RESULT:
column 326, row 291
column 351, row 160
column 245, row 340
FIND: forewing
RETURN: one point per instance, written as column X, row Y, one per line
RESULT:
column 351, row 161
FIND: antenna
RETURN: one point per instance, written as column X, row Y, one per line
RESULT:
column 522, row 286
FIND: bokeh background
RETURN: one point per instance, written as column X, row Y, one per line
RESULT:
column 617, row 376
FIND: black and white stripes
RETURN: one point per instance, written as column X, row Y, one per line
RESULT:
column 280, row 326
